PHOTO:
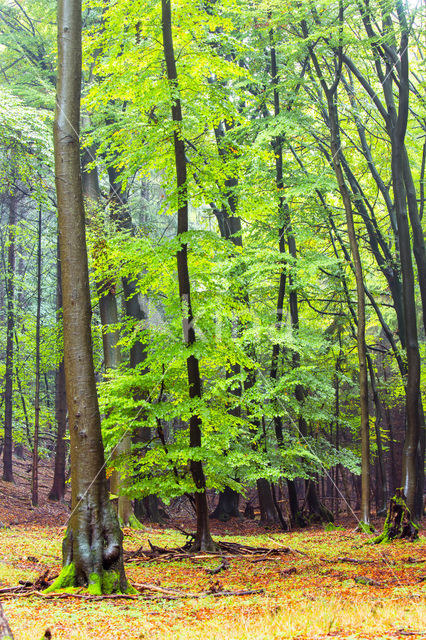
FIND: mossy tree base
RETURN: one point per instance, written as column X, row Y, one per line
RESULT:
column 398, row 523
column 92, row 555
column 107, row 582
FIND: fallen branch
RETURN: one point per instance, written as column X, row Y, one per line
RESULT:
column 369, row 581
column 167, row 593
column 352, row 560
column 222, row 567
column 233, row 549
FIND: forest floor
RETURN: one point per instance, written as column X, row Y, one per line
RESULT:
column 330, row 584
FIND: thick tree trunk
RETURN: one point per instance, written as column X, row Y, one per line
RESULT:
column 227, row 506
column 409, row 464
column 203, row 539
column 57, row 491
column 92, row 549
column 8, row 391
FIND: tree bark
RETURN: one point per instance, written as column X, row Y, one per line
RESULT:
column 92, row 548
column 409, row 467
column 8, row 391
column 227, row 506
column 268, row 512
column 57, row 491
column 34, row 484
column 203, row 539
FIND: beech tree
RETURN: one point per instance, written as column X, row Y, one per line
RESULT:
column 92, row 548
column 203, row 540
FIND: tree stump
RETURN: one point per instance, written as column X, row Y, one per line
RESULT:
column 5, row 632
column 398, row 523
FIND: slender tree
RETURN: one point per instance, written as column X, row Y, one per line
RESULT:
column 8, row 392
column 203, row 539
column 57, row 491
column 34, row 485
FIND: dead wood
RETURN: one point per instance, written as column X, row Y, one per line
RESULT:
column 163, row 592
column 231, row 549
column 222, row 567
column 352, row 560
column 369, row 581
column 288, row 572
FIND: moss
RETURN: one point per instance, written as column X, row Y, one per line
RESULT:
column 134, row 523
column 398, row 523
column 107, row 583
column 110, row 581
column 65, row 580
column 131, row 591
column 95, row 584
column 365, row 527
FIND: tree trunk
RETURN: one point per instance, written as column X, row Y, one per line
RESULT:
column 34, row 487
column 398, row 523
column 57, row 491
column 409, row 464
column 381, row 488
column 8, row 391
column 203, row 539
column 92, row 548
column 5, row 631
column 227, row 506
column 106, row 290
column 268, row 512
column 359, row 279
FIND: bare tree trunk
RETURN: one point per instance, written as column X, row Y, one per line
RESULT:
column 203, row 539
column 8, row 391
column 34, row 487
column 381, row 489
column 409, row 465
column 268, row 512
column 92, row 548
column 57, row 491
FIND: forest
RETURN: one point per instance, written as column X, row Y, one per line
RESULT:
column 212, row 318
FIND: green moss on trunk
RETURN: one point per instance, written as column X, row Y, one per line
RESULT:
column 65, row 580
column 398, row 523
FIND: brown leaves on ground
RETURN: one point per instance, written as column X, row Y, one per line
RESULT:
column 306, row 584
